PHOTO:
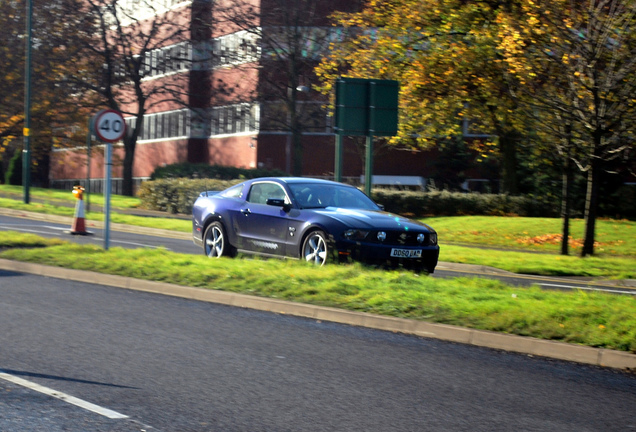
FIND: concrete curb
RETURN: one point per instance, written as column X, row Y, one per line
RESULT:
column 519, row 344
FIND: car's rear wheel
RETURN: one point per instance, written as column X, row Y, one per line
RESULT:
column 215, row 243
column 315, row 248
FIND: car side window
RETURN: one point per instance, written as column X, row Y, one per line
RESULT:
column 261, row 192
column 234, row 191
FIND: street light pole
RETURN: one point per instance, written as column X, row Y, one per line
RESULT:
column 26, row 152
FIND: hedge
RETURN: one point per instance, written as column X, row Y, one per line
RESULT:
column 178, row 196
column 445, row 203
column 219, row 172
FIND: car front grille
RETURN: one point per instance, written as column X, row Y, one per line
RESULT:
column 399, row 238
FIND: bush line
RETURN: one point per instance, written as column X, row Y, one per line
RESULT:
column 177, row 195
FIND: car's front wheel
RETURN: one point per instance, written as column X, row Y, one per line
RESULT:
column 215, row 243
column 315, row 248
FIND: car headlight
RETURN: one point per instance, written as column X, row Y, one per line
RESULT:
column 433, row 239
column 355, row 234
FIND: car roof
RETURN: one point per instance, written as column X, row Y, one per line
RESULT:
column 295, row 180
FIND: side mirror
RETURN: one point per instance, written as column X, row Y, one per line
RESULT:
column 278, row 202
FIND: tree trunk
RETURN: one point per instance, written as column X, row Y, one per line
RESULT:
column 566, row 191
column 294, row 124
column 508, row 147
column 297, row 141
column 298, row 154
column 129, row 159
column 591, row 206
column 565, row 206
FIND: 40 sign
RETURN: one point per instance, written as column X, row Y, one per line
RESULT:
column 109, row 125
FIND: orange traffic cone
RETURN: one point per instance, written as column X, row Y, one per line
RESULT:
column 79, row 226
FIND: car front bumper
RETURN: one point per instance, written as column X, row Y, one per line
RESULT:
column 381, row 254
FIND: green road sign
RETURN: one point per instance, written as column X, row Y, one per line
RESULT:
column 364, row 107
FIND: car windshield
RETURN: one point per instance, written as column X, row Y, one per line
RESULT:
column 318, row 195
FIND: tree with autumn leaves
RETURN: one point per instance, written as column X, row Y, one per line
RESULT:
column 514, row 68
column 576, row 62
column 55, row 118
column 444, row 54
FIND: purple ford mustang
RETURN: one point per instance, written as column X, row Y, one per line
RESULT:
column 314, row 220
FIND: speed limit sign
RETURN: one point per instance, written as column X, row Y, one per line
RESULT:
column 109, row 125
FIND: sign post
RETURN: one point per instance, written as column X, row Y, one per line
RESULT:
column 109, row 127
column 364, row 107
column 89, row 140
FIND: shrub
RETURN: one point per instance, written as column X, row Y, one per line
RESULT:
column 177, row 195
column 193, row 171
column 445, row 203
column 13, row 175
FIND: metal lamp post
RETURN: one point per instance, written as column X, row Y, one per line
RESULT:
column 26, row 152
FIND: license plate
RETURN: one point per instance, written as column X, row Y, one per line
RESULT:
column 406, row 253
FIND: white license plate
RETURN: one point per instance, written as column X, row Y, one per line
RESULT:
column 406, row 253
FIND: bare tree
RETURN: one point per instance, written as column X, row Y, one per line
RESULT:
column 291, row 35
column 132, row 53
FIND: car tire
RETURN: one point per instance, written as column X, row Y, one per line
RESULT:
column 215, row 241
column 315, row 248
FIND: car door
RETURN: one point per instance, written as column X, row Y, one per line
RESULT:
column 262, row 228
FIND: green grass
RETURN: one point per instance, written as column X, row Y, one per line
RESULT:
column 613, row 237
column 520, row 245
column 605, row 267
column 12, row 239
column 592, row 319
column 56, row 196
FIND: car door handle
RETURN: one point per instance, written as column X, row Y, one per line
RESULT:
column 246, row 211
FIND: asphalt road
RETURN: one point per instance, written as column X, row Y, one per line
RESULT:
column 184, row 244
column 170, row 364
column 116, row 238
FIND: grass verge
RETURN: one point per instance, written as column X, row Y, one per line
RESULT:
column 613, row 237
column 592, row 319
column 606, row 267
column 527, row 245
column 57, row 196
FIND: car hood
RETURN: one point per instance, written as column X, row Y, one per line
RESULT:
column 372, row 219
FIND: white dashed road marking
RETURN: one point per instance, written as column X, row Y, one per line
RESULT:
column 62, row 396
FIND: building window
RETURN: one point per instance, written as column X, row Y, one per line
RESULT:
column 236, row 48
column 167, row 60
column 223, row 120
column 234, row 119
column 166, row 125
